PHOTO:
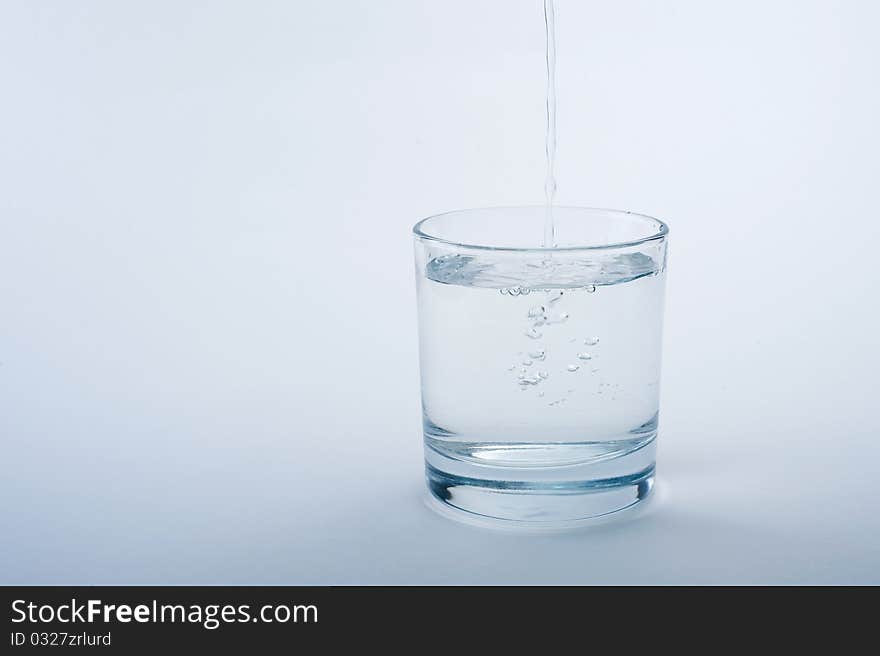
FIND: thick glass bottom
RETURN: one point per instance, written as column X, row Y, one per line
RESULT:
column 542, row 496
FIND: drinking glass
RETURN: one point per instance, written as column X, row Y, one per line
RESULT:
column 540, row 366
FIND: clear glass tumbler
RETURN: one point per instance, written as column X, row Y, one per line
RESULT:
column 540, row 367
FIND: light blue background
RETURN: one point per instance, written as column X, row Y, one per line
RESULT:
column 208, row 364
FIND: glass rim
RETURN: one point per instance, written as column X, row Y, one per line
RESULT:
column 662, row 230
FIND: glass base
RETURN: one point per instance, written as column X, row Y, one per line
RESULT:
column 535, row 497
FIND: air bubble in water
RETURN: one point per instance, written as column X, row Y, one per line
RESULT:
column 554, row 296
column 573, row 367
column 585, row 356
column 531, row 333
column 537, row 311
column 540, row 354
column 591, row 341
column 529, row 381
column 590, row 288
column 562, row 317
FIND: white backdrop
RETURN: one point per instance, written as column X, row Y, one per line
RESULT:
column 208, row 364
